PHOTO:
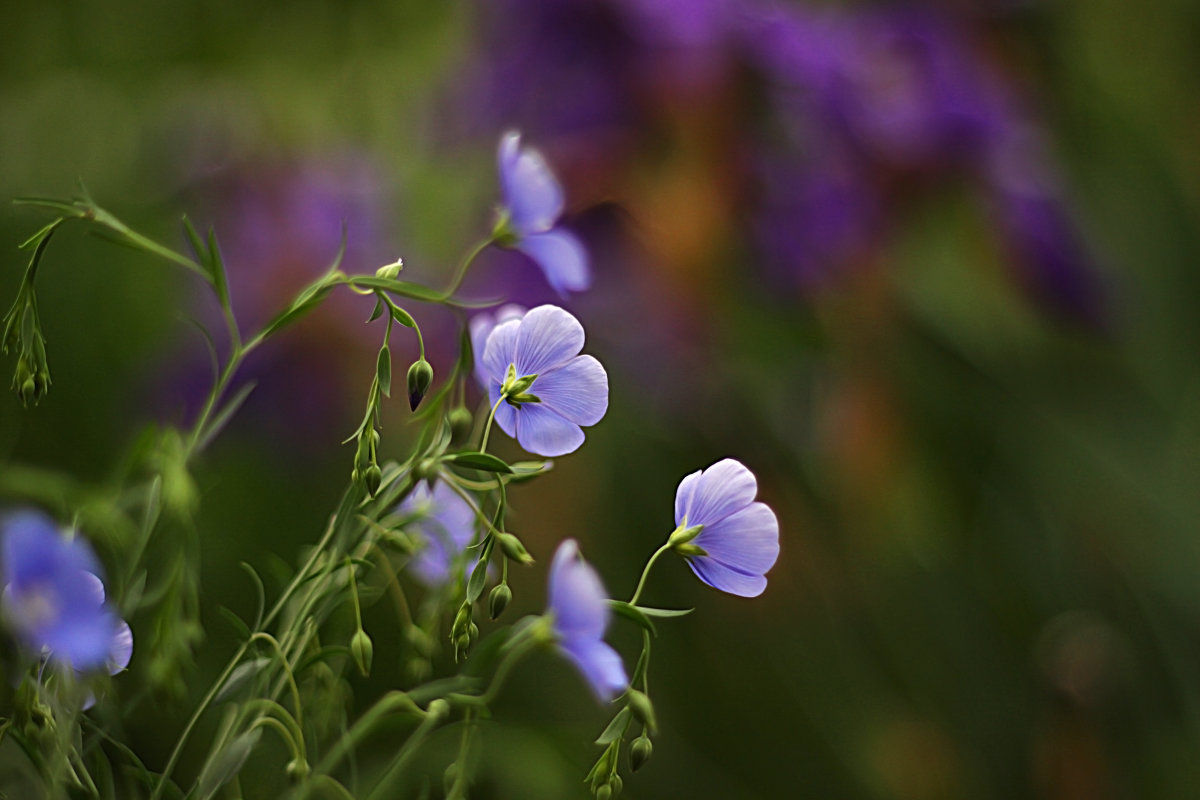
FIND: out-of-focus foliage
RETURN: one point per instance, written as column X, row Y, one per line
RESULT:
column 987, row 585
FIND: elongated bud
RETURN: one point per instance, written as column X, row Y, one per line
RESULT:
column 616, row 784
column 363, row 651
column 643, row 709
column 461, row 621
column 498, row 600
column 420, row 376
column 513, row 549
column 604, row 792
column 640, row 752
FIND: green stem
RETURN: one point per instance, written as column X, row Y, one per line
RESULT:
column 406, row 752
column 646, row 572
column 461, row 272
column 487, row 428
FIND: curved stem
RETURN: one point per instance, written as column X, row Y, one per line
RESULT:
column 487, row 428
column 461, row 272
column 646, row 571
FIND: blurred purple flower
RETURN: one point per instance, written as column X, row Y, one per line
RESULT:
column 53, row 599
column 550, row 390
column 578, row 608
column 739, row 537
column 533, row 199
column 445, row 523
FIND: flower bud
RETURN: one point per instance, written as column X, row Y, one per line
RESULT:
column 372, row 478
column 643, row 709
column 498, row 600
column 640, row 752
column 390, row 271
column 616, row 784
column 461, row 621
column 420, row 376
column 419, row 640
column 437, row 710
column 297, row 769
column 604, row 792
column 362, row 650
column 461, row 423
column 513, row 549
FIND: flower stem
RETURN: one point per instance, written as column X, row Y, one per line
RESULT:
column 646, row 571
column 465, row 264
column 487, row 428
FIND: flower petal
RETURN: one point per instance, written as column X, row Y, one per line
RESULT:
column 727, row 579
column 81, row 637
column 562, row 257
column 578, row 390
column 548, row 337
column 506, row 415
column 545, row 432
column 577, row 598
column 532, row 194
column 481, row 327
column 600, row 664
column 500, row 351
column 120, row 649
column 747, row 540
column 725, row 487
column 34, row 550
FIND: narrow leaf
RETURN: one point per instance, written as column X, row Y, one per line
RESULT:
column 616, row 728
column 633, row 613
column 486, row 462
column 476, row 581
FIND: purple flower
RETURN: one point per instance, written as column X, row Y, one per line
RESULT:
column 53, row 599
column 481, row 328
column 445, row 522
column 729, row 540
column 533, row 200
column 579, row 616
column 549, row 390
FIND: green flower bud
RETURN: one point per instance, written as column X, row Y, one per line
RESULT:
column 642, row 708
column 640, row 752
column 498, row 600
column 425, row 469
column 461, row 423
column 419, row 640
column 616, row 784
column 604, row 792
column 29, row 393
column 297, row 769
column 372, row 478
column 461, row 620
column 438, row 710
column 362, row 650
column 390, row 271
column 513, row 549
column 420, row 376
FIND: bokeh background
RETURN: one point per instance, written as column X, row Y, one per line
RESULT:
column 929, row 269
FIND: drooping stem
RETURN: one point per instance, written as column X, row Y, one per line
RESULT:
column 646, row 572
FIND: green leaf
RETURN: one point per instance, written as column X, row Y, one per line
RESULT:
column 616, row 728
column 194, row 240
column 217, row 268
column 70, row 208
column 664, row 613
column 241, row 675
column 485, row 462
column 222, row 417
column 403, row 288
column 305, row 302
column 476, row 581
column 401, row 316
column 633, row 613
column 378, row 310
column 226, row 764
column 36, row 239
column 383, row 369
column 243, row 630
column 524, row 470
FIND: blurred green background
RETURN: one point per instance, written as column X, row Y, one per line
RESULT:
column 987, row 585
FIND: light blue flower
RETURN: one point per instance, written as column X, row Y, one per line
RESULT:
column 445, row 522
column 53, row 598
column 533, row 202
column 738, row 538
column 578, row 608
column 549, row 390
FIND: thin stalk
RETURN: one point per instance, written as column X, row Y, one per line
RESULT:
column 646, row 572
